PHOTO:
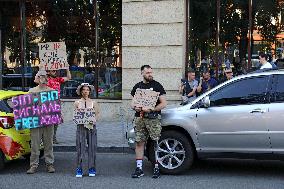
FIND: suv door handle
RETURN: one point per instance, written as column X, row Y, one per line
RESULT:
column 258, row 110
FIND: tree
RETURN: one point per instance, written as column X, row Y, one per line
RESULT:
column 234, row 23
column 71, row 21
column 267, row 21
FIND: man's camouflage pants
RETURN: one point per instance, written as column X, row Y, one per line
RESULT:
column 145, row 127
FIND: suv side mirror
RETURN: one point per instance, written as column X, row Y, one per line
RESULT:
column 206, row 102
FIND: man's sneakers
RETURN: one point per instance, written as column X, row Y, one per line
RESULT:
column 32, row 169
column 79, row 173
column 138, row 173
column 156, row 173
column 50, row 168
column 92, row 172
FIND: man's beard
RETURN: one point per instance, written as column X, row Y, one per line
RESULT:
column 148, row 79
column 43, row 82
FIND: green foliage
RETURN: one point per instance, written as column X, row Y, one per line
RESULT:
column 267, row 20
column 71, row 21
column 110, row 24
column 234, row 22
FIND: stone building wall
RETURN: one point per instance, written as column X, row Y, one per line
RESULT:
column 153, row 32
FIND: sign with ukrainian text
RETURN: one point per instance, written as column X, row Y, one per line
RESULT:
column 145, row 98
column 53, row 55
column 35, row 110
column 84, row 116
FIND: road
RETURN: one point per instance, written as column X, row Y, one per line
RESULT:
column 114, row 172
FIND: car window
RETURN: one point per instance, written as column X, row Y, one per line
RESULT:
column 5, row 106
column 278, row 95
column 245, row 91
column 9, row 102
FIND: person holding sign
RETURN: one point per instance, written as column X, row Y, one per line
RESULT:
column 53, row 57
column 41, row 132
column 86, row 134
column 147, row 117
column 55, row 82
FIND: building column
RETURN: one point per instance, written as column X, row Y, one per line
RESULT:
column 153, row 32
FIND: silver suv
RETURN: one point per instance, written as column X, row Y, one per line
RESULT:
column 242, row 117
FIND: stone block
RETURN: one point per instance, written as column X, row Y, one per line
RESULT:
column 157, row 57
column 153, row 12
column 153, row 35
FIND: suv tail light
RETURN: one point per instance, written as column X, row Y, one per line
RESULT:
column 6, row 122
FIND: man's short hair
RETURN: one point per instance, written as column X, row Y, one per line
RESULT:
column 190, row 71
column 145, row 66
column 206, row 71
column 263, row 55
column 228, row 70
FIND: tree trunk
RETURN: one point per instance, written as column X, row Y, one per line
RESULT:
column 243, row 43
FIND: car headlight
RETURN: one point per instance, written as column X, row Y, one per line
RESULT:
column 6, row 122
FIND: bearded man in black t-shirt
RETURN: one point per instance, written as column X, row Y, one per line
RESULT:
column 147, row 121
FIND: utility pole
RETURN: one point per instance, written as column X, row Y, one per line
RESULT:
column 217, row 42
column 23, row 41
column 96, row 17
column 187, row 30
column 249, row 34
column 1, row 61
column 96, row 30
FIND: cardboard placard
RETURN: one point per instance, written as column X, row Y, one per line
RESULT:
column 84, row 116
column 145, row 98
column 35, row 110
column 53, row 55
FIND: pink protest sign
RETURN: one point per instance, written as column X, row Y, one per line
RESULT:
column 35, row 110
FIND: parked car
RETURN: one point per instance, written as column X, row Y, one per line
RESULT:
column 13, row 144
column 242, row 117
column 14, row 81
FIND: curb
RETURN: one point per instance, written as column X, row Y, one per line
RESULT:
column 111, row 149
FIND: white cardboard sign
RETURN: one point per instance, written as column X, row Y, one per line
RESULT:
column 84, row 116
column 145, row 98
column 53, row 55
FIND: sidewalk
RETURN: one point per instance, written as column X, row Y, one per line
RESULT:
column 111, row 137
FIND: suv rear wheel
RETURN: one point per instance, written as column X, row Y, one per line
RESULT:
column 175, row 153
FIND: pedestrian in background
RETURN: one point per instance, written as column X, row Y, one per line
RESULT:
column 206, row 82
column 86, row 135
column 263, row 61
column 188, row 87
column 228, row 72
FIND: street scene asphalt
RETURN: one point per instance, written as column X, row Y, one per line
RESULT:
column 114, row 170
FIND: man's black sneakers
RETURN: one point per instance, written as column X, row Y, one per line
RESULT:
column 156, row 173
column 138, row 173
